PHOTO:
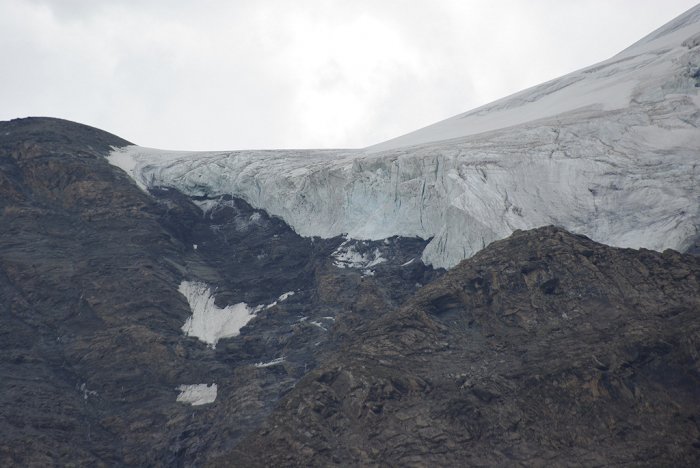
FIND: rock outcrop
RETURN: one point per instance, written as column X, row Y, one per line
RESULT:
column 94, row 359
column 544, row 349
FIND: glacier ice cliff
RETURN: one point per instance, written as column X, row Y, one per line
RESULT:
column 610, row 151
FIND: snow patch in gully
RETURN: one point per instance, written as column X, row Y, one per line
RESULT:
column 209, row 322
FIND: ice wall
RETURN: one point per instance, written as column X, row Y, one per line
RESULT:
column 611, row 151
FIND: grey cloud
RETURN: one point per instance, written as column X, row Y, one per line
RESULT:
column 262, row 74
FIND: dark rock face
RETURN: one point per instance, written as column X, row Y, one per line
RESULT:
column 91, row 316
column 544, row 349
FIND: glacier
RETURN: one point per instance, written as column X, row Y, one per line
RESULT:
column 610, row 151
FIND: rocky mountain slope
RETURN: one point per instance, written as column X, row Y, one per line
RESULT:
column 544, row 348
column 91, row 311
column 285, row 308
column 609, row 151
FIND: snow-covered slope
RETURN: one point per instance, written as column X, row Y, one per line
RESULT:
column 607, row 86
column 611, row 151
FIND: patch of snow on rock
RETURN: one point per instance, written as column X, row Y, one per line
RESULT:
column 282, row 298
column 274, row 362
column 86, row 393
column 347, row 256
column 198, row 394
column 206, row 205
column 285, row 296
column 209, row 322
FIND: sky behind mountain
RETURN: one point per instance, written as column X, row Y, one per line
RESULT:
column 214, row 74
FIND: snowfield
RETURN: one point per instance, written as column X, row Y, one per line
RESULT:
column 611, row 151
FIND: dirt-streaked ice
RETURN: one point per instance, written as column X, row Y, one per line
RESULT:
column 611, row 151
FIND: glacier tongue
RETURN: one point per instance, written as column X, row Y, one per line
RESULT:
column 611, row 152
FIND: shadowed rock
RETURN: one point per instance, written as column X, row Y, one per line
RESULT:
column 544, row 349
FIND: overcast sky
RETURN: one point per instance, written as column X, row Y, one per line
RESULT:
column 236, row 74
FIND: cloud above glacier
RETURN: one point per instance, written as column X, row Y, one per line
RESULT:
column 215, row 74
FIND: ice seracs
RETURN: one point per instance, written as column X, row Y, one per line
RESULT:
column 610, row 151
